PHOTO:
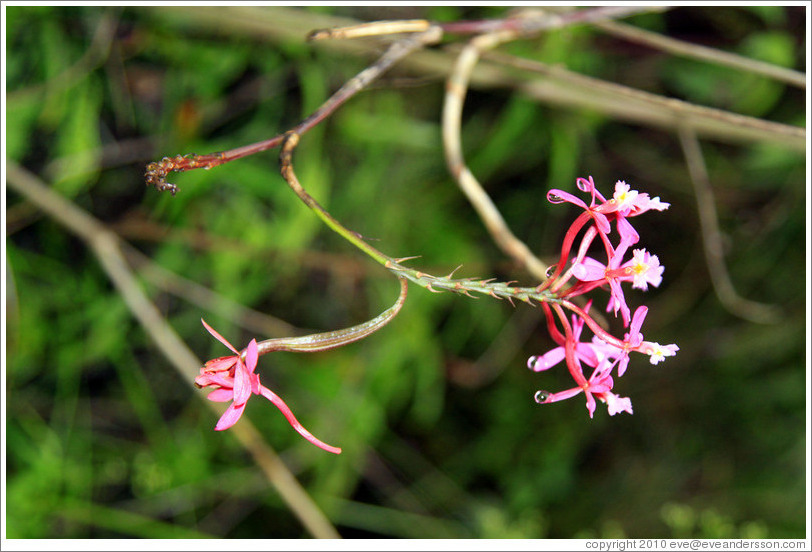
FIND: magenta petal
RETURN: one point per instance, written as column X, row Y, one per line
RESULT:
column 220, row 364
column 242, row 384
column 589, row 270
column 623, row 364
column 218, row 379
column 219, row 337
column 229, row 417
column 628, row 234
column 585, row 185
column 586, row 352
column 559, row 196
column 562, row 395
column 280, row 404
column 602, row 223
column 221, row 395
column 618, row 301
column 221, row 380
column 202, row 380
column 251, row 356
column 600, row 388
column 255, row 385
column 590, row 403
column 548, row 359
column 635, row 338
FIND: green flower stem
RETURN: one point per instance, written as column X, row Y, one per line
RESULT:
column 330, row 340
column 498, row 290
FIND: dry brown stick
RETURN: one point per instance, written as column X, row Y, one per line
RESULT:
column 456, row 88
column 653, row 109
column 712, row 238
column 695, row 51
column 204, row 297
column 373, row 28
column 107, row 247
column 280, row 25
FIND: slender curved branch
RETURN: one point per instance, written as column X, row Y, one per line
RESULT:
column 456, row 87
column 157, row 172
column 264, row 24
column 712, row 238
column 498, row 32
column 497, row 290
column 570, row 88
column 695, row 51
column 338, row 338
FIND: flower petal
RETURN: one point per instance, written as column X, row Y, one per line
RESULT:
column 628, row 235
column 220, row 364
column 547, row 360
column 229, row 417
column 242, row 384
column 635, row 337
column 559, row 196
column 616, row 404
column 589, row 270
column 590, row 403
column 251, row 356
column 218, row 379
column 280, row 404
column 219, row 337
column 562, row 395
column 221, row 395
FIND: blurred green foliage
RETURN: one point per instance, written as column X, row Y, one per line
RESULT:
column 435, row 413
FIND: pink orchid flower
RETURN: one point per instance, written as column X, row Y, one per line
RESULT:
column 657, row 352
column 605, row 352
column 592, row 270
column 584, row 352
column 599, row 385
column 631, row 203
column 643, row 269
column 234, row 380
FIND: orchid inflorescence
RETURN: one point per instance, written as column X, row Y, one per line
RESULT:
column 234, row 377
column 605, row 353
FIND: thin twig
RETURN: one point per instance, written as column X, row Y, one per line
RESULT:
column 525, row 22
column 107, row 247
column 281, row 25
column 157, row 172
column 645, row 107
column 465, row 286
column 456, row 88
column 373, row 28
column 712, row 238
column 206, row 298
column 531, row 21
column 695, row 51
column 499, row 32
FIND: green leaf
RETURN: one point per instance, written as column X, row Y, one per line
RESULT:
column 22, row 113
column 79, row 142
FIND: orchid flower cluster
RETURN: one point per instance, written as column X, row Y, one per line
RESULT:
column 234, row 379
column 605, row 353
